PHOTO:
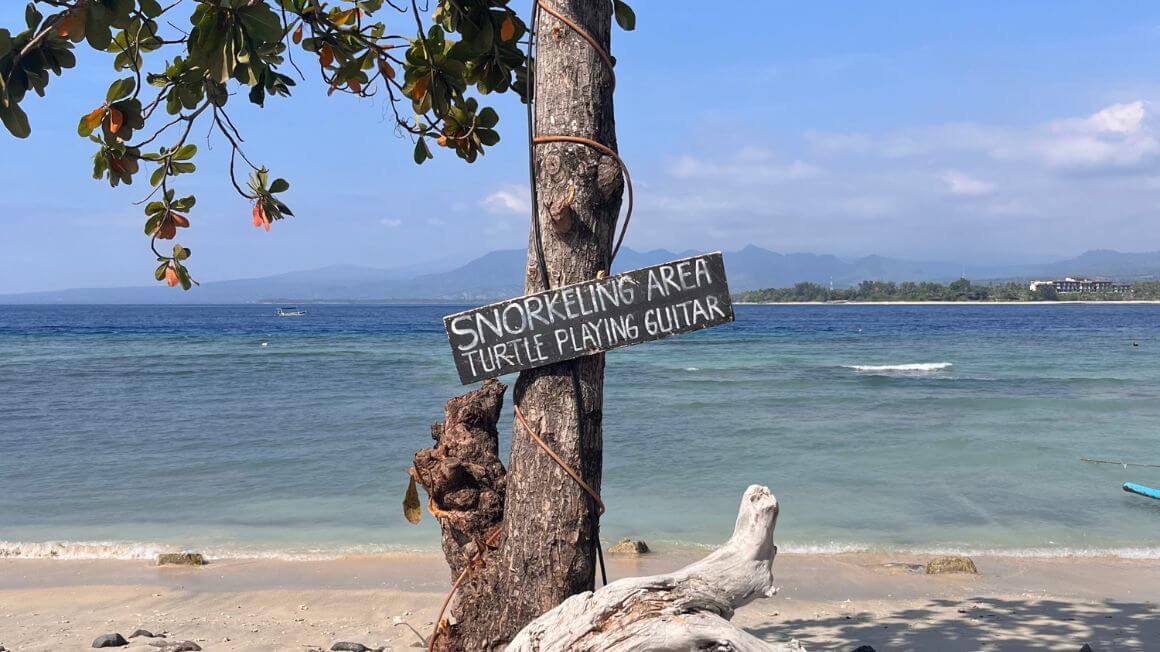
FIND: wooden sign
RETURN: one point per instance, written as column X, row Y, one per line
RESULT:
column 578, row 320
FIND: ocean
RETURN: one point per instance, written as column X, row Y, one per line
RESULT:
column 128, row 430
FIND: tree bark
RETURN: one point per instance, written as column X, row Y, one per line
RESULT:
column 550, row 525
column 685, row 610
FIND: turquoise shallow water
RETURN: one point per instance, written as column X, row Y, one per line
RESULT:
column 125, row 430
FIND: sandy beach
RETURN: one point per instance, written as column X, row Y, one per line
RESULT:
column 829, row 602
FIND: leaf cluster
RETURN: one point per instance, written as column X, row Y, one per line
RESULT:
column 433, row 78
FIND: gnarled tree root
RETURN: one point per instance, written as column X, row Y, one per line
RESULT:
column 688, row 609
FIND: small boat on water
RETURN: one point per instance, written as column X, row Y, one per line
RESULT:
column 289, row 311
column 1148, row 492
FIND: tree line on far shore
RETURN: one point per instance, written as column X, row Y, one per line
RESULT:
column 960, row 290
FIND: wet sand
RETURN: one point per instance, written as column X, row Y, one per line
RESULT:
column 829, row 602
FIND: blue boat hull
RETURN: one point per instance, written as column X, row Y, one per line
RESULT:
column 1149, row 492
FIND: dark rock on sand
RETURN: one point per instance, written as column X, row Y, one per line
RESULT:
column 951, row 565
column 110, row 640
column 629, row 547
column 146, row 633
column 347, row 646
column 176, row 646
column 181, row 559
column 865, row 648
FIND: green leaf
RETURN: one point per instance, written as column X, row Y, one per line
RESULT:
column 159, row 273
column 150, row 8
column 32, row 17
column 625, row 16
column 183, row 277
column 279, row 185
column 152, row 222
column 157, row 176
column 487, row 118
column 185, row 153
column 422, row 153
column 97, row 30
column 488, row 137
column 120, row 89
column 15, row 119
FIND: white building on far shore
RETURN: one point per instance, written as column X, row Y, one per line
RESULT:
column 1082, row 286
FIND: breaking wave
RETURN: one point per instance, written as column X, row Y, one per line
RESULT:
column 914, row 367
column 839, row 548
column 89, row 550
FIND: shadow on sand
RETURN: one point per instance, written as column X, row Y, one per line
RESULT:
column 978, row 624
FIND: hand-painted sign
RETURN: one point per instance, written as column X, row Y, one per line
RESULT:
column 577, row 320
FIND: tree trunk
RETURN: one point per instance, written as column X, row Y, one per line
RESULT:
column 550, row 525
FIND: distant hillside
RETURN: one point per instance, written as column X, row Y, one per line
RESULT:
column 1105, row 262
column 500, row 274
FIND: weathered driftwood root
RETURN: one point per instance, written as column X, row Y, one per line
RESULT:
column 462, row 473
column 685, row 610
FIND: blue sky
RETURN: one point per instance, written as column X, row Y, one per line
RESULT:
column 985, row 131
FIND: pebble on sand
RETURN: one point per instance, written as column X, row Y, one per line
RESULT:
column 951, row 565
column 181, row 559
column 110, row 640
column 629, row 547
column 146, row 633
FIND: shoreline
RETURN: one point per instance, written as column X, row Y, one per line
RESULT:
column 63, row 551
column 835, row 601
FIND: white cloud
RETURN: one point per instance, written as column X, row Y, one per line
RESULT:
column 965, row 185
column 510, row 200
column 1119, row 118
column 1058, row 186
column 1116, row 138
column 391, row 223
column 749, row 164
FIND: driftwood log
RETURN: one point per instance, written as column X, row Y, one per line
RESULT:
column 685, row 610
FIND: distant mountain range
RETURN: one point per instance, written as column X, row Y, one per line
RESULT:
column 499, row 274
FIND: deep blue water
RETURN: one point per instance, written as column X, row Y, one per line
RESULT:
column 161, row 427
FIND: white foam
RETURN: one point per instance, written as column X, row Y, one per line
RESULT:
column 914, row 367
column 89, row 550
column 839, row 548
column 79, row 550
column 92, row 550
